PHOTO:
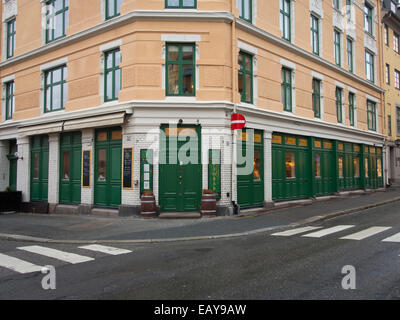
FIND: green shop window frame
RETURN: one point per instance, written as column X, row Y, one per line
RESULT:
column 115, row 5
column 146, row 170
column 180, row 62
column 113, row 69
column 61, row 13
column 214, row 171
column 52, row 85
column 11, row 33
column 180, row 4
column 245, row 72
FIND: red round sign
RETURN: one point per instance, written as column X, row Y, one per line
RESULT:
column 238, row 121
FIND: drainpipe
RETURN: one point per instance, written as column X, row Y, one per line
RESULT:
column 234, row 93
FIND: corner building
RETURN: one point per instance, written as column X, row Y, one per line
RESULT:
column 91, row 89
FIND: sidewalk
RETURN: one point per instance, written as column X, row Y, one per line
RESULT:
column 88, row 229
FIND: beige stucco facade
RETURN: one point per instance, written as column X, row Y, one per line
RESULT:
column 142, row 31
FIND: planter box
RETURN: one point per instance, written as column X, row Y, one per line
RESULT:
column 10, row 201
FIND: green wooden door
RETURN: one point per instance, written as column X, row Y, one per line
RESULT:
column 39, row 168
column 180, row 169
column 108, row 167
column 70, row 167
column 13, row 175
column 250, row 187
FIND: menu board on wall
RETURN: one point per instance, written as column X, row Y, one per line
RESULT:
column 127, row 174
column 86, row 169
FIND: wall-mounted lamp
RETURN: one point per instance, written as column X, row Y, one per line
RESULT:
column 16, row 155
column 180, row 122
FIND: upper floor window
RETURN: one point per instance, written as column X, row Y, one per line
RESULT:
column 11, row 32
column 245, row 77
column 336, row 4
column 56, row 19
column 112, row 75
column 245, row 9
column 387, row 74
column 398, row 120
column 371, row 115
column 386, row 34
column 396, row 42
column 393, row 6
column 316, row 96
column 389, row 125
column 180, row 66
column 287, row 89
column 352, row 108
column 182, row 4
column 113, row 8
column 369, row 66
column 315, row 34
column 350, row 58
column 285, row 19
column 338, row 47
column 55, row 88
column 397, row 79
column 339, row 104
column 368, row 18
column 9, row 100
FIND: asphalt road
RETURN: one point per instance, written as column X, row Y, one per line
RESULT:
column 262, row 266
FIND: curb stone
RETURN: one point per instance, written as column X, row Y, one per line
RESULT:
column 22, row 238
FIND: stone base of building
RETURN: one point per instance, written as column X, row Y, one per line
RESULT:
column 269, row 204
column 35, row 207
column 127, row 211
column 224, row 210
column 85, row 209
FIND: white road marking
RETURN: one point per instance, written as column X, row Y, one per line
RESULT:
column 18, row 265
column 394, row 238
column 366, row 233
column 105, row 249
column 57, row 254
column 325, row 232
column 293, row 232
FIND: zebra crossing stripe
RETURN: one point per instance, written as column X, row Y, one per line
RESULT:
column 105, row 249
column 366, row 233
column 57, row 254
column 394, row 238
column 18, row 265
column 325, row 232
column 293, row 232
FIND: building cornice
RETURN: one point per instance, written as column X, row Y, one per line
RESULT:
column 172, row 15
column 247, row 27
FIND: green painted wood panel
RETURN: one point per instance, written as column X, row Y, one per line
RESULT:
column 39, row 168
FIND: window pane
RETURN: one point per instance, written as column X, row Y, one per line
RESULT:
column 317, row 166
column 188, row 3
column 340, row 160
column 59, row 23
column 246, row 14
column 248, row 88
column 109, row 86
column 290, row 165
column 66, row 166
column 117, row 58
column 109, row 60
column 58, row 5
column 117, row 83
column 356, row 162
column 110, row 7
column 116, row 135
column 173, row 81
column 187, row 53
column 101, row 173
column 240, row 83
column 379, row 167
column 366, row 167
column 65, row 95
column 57, row 75
column 187, row 82
column 48, row 99
column 257, row 165
column 173, row 3
column 56, row 97
column 173, row 53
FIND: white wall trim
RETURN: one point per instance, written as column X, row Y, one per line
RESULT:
column 288, row 64
column 247, row 48
column 54, row 64
column 373, row 99
column 8, row 78
column 181, row 37
column 110, row 45
column 317, row 75
column 340, row 85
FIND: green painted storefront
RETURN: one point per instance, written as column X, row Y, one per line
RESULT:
column 13, row 165
column 70, row 167
column 108, row 167
column 304, row 167
column 39, row 168
column 180, row 177
column 250, row 187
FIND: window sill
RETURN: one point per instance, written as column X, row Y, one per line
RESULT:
column 180, row 99
column 50, row 113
